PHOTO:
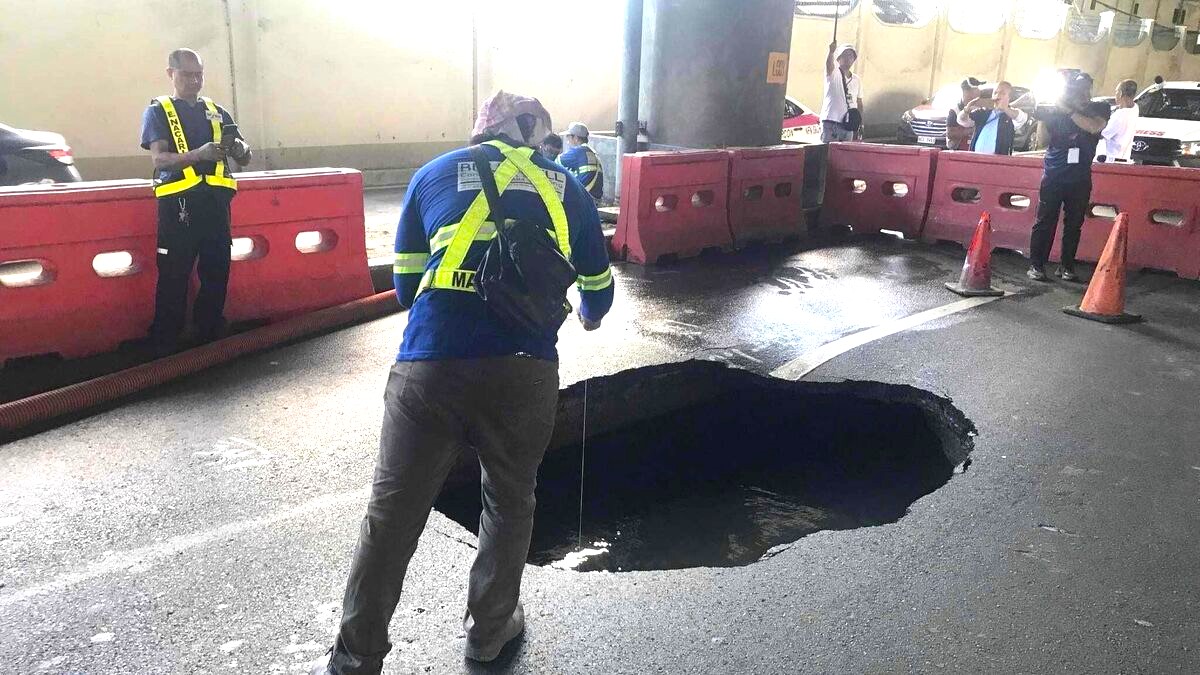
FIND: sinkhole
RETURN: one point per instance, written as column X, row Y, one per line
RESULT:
column 698, row 464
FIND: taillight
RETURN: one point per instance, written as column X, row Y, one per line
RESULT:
column 62, row 154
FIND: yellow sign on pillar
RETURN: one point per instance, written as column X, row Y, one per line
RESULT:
column 777, row 66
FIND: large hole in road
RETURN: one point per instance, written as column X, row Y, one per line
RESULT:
column 701, row 465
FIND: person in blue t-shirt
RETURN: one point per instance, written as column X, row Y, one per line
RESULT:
column 582, row 161
column 1074, row 126
column 465, row 379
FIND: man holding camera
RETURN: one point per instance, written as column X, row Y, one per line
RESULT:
column 993, row 121
column 1073, row 126
column 189, row 138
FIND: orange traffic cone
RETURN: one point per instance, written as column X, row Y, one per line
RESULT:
column 1105, row 297
column 976, row 276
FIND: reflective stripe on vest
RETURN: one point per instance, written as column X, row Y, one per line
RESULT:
column 449, row 274
column 190, row 178
column 592, row 167
column 596, row 282
column 410, row 263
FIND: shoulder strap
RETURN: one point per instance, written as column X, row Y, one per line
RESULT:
column 488, row 180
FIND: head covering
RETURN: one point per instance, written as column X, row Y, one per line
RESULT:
column 1081, row 80
column 845, row 48
column 577, row 129
column 498, row 116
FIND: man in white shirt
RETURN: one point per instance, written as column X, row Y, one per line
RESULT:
column 843, row 93
column 1116, row 143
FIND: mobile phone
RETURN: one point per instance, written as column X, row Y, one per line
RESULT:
column 228, row 136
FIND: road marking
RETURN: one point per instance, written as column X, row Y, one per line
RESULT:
column 145, row 557
column 235, row 453
column 806, row 363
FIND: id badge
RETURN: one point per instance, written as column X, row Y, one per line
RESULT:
column 213, row 115
column 1072, row 155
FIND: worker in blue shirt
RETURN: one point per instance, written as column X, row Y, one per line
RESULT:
column 1073, row 126
column 582, row 161
column 184, row 135
column 552, row 146
column 465, row 379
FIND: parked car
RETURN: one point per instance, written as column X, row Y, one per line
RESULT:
column 35, row 157
column 800, row 123
column 1168, row 129
column 926, row 123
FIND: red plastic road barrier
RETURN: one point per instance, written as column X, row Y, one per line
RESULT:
column 1162, row 204
column 878, row 187
column 311, row 223
column 77, row 261
column 672, row 203
column 766, row 187
column 967, row 183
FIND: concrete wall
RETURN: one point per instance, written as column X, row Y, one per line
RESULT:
column 383, row 85
column 379, row 85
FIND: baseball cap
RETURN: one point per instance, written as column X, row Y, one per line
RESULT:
column 577, row 129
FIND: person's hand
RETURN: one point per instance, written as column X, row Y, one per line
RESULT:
column 210, row 152
column 588, row 325
column 833, row 46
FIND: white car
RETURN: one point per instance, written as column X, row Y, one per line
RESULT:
column 800, row 123
column 1168, row 128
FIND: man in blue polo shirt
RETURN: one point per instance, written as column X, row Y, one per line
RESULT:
column 183, row 134
column 466, row 379
column 582, row 161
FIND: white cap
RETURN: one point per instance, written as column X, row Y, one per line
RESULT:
column 577, row 129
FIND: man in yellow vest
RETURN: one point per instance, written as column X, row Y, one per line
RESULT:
column 465, row 379
column 189, row 138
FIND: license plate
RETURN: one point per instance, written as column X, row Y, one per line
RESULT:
column 928, row 140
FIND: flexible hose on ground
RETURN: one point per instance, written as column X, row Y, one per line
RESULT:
column 77, row 397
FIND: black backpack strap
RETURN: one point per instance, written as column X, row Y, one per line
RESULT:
column 486, row 178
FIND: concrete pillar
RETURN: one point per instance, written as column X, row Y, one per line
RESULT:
column 705, row 80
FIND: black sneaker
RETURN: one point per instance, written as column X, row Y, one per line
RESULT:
column 1036, row 273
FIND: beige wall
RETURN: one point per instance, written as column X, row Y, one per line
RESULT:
column 374, row 84
column 387, row 84
column 88, row 69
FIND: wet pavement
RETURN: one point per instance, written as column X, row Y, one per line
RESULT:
column 207, row 526
column 381, row 207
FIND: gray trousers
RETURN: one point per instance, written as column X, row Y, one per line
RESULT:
column 832, row 131
column 503, row 408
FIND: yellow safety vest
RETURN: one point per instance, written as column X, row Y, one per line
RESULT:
column 457, row 238
column 190, row 178
column 589, row 173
